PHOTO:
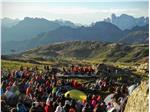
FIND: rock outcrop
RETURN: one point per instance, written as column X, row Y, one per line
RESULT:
column 106, row 70
column 138, row 101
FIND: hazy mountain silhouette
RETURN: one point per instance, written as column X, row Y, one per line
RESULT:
column 8, row 22
column 33, row 32
column 100, row 31
column 125, row 21
column 28, row 28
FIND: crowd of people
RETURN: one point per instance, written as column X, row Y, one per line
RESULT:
column 74, row 69
column 28, row 90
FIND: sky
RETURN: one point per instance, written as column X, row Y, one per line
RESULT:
column 78, row 12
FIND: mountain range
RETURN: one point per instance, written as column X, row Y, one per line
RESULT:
column 30, row 27
column 7, row 22
column 34, row 32
column 125, row 21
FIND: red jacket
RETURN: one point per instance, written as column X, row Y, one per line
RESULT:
column 48, row 108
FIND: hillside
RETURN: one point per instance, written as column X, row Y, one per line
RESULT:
column 136, row 35
column 88, row 50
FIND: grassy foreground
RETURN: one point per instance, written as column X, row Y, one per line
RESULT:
column 10, row 65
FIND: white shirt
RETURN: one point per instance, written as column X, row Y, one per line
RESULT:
column 59, row 109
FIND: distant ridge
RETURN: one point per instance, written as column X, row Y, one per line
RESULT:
column 125, row 21
column 30, row 27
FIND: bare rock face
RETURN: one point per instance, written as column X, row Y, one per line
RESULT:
column 112, row 71
column 138, row 101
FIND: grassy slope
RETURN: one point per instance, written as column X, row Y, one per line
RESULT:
column 91, row 51
column 11, row 65
column 83, row 53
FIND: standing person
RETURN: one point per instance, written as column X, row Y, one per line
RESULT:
column 29, row 91
column 86, row 108
column 59, row 108
column 79, row 106
column 72, row 106
column 48, row 108
column 72, row 109
column 97, row 108
column 93, row 101
column 21, row 107
column 33, row 108
column 66, row 107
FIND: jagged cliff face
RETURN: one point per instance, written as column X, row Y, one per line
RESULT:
column 138, row 101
